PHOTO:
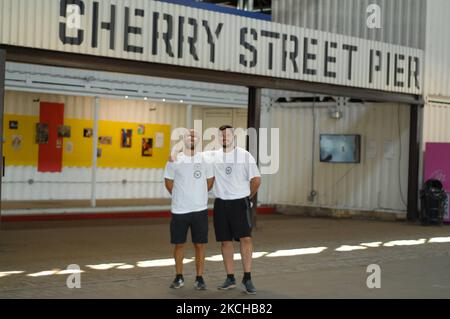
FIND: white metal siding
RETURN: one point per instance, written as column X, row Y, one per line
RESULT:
column 139, row 111
column 28, row 104
column 437, row 122
column 36, row 24
column 437, row 68
column 372, row 185
column 402, row 21
column 75, row 183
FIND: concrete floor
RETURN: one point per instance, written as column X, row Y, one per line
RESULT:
column 416, row 269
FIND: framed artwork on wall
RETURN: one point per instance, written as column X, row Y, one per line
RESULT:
column 125, row 138
column 42, row 133
column 88, row 132
column 147, row 147
column 13, row 125
column 105, row 140
column 63, row 131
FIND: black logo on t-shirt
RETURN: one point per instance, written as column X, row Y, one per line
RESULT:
column 197, row 174
column 228, row 170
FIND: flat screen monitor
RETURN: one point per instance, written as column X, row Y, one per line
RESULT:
column 335, row 148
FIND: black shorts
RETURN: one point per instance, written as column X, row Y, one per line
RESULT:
column 232, row 219
column 180, row 224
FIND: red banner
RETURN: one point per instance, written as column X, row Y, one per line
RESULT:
column 51, row 115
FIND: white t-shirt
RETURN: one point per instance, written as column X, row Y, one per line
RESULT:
column 190, row 188
column 233, row 172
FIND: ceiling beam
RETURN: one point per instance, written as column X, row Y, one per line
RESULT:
column 89, row 62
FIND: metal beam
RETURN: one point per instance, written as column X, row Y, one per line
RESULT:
column 2, row 111
column 254, row 121
column 413, row 174
column 94, row 153
column 89, row 62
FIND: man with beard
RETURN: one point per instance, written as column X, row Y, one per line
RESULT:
column 188, row 179
column 237, row 180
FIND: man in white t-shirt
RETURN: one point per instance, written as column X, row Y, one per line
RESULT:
column 237, row 180
column 188, row 179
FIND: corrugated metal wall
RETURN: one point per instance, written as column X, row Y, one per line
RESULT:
column 436, row 113
column 372, row 185
column 437, row 122
column 437, row 57
column 403, row 21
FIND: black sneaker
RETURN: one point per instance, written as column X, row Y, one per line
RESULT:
column 177, row 283
column 249, row 288
column 229, row 283
column 200, row 284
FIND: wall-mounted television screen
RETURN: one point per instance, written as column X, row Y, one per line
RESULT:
column 340, row 148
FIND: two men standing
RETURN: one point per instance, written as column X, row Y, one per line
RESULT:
column 236, row 179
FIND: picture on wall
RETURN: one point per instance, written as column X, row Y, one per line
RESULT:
column 125, row 138
column 16, row 142
column 105, row 140
column 13, row 125
column 99, row 152
column 63, row 131
column 42, row 133
column 141, row 129
column 147, row 147
column 88, row 132
column 69, row 147
column 159, row 140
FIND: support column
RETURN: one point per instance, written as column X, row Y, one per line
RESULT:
column 254, row 121
column 2, row 111
column 250, row 5
column 94, row 153
column 413, row 173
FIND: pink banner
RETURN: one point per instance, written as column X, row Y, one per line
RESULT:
column 437, row 166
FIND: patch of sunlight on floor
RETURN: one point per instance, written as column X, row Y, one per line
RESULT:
column 350, row 248
column 404, row 242
column 9, row 273
column 297, row 252
column 372, row 245
column 125, row 267
column 236, row 256
column 105, row 266
column 439, row 240
column 161, row 262
column 44, row 273
column 69, row 272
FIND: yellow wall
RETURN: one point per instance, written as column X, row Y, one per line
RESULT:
column 81, row 155
column 115, row 156
column 27, row 154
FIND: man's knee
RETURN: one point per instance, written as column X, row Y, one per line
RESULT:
column 179, row 246
column 227, row 244
column 245, row 241
column 199, row 246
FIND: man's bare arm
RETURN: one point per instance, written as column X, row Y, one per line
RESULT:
column 169, row 185
column 255, row 182
column 210, row 182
